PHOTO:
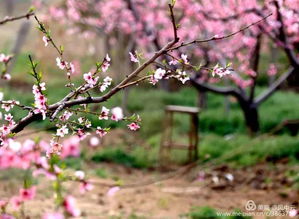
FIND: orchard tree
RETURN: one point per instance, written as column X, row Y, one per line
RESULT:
column 145, row 23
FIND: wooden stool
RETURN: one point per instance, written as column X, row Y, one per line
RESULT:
column 166, row 141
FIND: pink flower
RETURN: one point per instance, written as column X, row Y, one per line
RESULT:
column 71, row 147
column 133, row 126
column 221, row 71
column 8, row 117
column 46, row 40
column 106, row 83
column 65, row 116
column 293, row 213
column 28, row 194
column 16, row 202
column 133, row 57
column 159, row 73
column 3, row 203
column 101, row 132
column 182, row 76
column 112, row 191
column 184, row 57
column 72, row 68
column 82, row 134
column 60, row 63
column 251, row 73
column 6, row 77
column 94, row 141
column 55, row 148
column 104, row 114
column 106, row 63
column 70, row 206
column 173, row 62
column 55, row 215
column 5, row 58
column 6, row 216
column 44, row 172
column 85, row 187
column 153, row 80
column 62, row 131
column 272, row 70
column 90, row 80
column 80, row 174
column 42, row 86
column 117, row 114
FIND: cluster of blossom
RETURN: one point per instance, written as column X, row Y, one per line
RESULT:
column 63, row 65
column 5, row 128
column 25, row 194
column 30, row 154
column 5, row 60
column 220, row 71
column 180, row 75
column 40, row 100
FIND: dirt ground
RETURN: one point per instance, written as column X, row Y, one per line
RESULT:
column 170, row 198
column 161, row 194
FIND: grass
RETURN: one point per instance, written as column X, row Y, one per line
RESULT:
column 236, row 150
column 209, row 212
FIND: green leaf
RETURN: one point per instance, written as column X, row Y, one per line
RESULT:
column 61, row 48
column 31, row 9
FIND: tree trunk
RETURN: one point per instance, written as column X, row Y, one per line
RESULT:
column 250, row 111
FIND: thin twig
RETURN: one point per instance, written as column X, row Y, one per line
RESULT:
column 216, row 38
column 10, row 19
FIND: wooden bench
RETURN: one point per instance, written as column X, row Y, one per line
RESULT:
column 166, row 141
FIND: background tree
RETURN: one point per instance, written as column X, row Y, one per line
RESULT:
column 201, row 19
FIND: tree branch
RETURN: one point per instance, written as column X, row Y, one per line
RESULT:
column 264, row 96
column 219, row 90
column 283, row 38
column 216, row 38
column 10, row 19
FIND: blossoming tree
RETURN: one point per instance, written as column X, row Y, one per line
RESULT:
column 202, row 19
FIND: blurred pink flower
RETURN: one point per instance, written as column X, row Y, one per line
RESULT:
column 70, row 206
column 133, row 126
column 117, row 114
column 55, row 215
column 112, row 191
column 27, row 194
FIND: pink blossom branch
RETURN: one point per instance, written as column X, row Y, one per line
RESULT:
column 66, row 102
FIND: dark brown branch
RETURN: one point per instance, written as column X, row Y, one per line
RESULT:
column 255, row 58
column 219, row 90
column 10, row 19
column 174, row 26
column 261, row 98
column 231, row 17
column 283, row 38
column 215, row 38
